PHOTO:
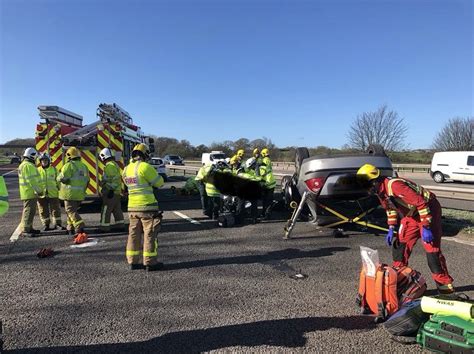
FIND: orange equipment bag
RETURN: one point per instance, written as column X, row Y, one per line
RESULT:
column 385, row 293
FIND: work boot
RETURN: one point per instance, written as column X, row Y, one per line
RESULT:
column 46, row 228
column 28, row 234
column 446, row 289
column 136, row 266
column 34, row 231
column 154, row 267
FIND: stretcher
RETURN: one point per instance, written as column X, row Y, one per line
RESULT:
column 358, row 219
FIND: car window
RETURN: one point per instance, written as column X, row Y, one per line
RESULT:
column 470, row 160
column 218, row 156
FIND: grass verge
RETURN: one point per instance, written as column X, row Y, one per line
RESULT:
column 458, row 223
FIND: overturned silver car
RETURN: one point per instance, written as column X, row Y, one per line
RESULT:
column 324, row 189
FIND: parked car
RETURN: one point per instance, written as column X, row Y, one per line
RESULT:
column 173, row 160
column 452, row 165
column 159, row 166
column 213, row 157
column 325, row 191
column 15, row 159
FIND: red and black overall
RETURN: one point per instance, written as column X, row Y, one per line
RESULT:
column 417, row 208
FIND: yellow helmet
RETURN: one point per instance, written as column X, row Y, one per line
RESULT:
column 141, row 148
column 256, row 151
column 240, row 152
column 265, row 152
column 368, row 172
column 72, row 153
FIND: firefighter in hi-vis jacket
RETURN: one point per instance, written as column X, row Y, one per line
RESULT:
column 420, row 214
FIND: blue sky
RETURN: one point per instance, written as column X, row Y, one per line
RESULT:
column 297, row 72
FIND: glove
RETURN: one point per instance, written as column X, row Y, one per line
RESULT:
column 426, row 235
column 389, row 237
column 110, row 194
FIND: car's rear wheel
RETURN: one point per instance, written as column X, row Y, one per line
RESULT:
column 300, row 154
column 376, row 150
column 438, row 177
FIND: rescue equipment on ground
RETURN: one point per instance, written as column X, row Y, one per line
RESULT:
column 447, row 334
column 384, row 289
column 448, row 307
column 407, row 320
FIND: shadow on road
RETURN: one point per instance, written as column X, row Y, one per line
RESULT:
column 286, row 254
column 286, row 333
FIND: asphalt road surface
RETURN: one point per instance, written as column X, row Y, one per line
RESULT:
column 222, row 289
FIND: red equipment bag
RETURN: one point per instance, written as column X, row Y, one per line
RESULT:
column 385, row 293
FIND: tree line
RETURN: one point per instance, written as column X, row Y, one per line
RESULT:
column 383, row 126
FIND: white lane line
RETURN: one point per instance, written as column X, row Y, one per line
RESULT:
column 9, row 172
column 181, row 215
column 16, row 234
column 454, row 239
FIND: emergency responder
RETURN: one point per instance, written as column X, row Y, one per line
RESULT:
column 73, row 179
column 420, row 214
column 248, row 172
column 48, row 202
column 235, row 164
column 202, row 190
column 258, row 158
column 142, row 182
column 265, row 171
column 214, row 196
column 111, row 190
column 237, row 159
column 3, row 197
column 30, row 190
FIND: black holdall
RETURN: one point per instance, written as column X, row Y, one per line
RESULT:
column 408, row 320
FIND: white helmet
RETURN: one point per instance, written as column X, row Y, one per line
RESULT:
column 45, row 156
column 105, row 154
column 30, row 153
column 250, row 163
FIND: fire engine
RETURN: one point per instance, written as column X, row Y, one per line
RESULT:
column 114, row 128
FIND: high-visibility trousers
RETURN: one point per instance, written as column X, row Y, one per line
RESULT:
column 49, row 207
column 143, row 237
column 74, row 220
column 409, row 233
column 111, row 206
column 28, row 215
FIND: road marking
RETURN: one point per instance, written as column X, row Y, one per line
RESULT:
column 16, row 234
column 181, row 215
column 9, row 172
column 454, row 239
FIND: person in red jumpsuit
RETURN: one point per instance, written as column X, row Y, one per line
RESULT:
column 420, row 214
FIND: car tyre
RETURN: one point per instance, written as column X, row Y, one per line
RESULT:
column 301, row 153
column 376, row 150
column 438, row 177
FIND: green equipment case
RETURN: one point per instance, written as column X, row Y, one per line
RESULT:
column 447, row 334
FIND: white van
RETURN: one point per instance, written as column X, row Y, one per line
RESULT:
column 453, row 165
column 212, row 157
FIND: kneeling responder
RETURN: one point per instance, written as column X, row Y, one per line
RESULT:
column 421, row 218
column 111, row 188
column 30, row 190
column 48, row 202
column 265, row 171
column 142, row 181
column 73, row 179
column 214, row 203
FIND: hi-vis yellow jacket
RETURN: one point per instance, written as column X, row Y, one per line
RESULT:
column 29, row 179
column 140, row 178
